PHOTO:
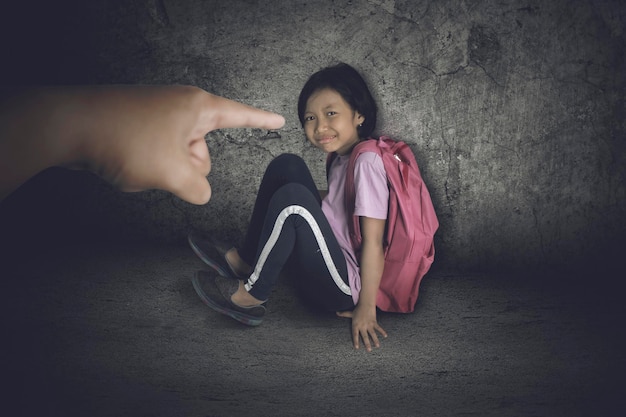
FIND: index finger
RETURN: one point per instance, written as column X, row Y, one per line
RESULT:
column 356, row 335
column 221, row 113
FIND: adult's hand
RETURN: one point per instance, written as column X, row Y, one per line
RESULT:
column 136, row 137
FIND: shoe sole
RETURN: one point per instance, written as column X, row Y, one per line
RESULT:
column 240, row 317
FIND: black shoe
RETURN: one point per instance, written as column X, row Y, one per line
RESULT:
column 215, row 291
column 213, row 253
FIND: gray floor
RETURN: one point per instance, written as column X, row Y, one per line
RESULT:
column 117, row 330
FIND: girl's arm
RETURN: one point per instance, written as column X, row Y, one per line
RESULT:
column 364, row 323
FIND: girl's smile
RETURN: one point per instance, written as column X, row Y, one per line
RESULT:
column 330, row 123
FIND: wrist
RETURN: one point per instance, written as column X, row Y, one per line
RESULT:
column 62, row 112
column 78, row 115
column 366, row 304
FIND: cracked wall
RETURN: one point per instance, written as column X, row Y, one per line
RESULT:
column 515, row 110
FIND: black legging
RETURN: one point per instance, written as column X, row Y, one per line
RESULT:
column 287, row 221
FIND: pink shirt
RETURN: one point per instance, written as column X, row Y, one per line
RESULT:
column 371, row 200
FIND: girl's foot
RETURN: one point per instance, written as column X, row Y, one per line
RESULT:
column 216, row 291
column 236, row 264
column 243, row 298
column 214, row 254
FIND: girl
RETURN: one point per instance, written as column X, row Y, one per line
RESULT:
column 290, row 220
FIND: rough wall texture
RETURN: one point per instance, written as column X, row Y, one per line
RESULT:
column 515, row 110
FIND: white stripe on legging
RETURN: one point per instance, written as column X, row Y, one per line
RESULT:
column 321, row 243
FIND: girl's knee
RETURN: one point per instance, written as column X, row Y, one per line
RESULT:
column 287, row 163
column 294, row 193
column 288, row 157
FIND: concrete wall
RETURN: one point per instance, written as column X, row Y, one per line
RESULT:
column 515, row 111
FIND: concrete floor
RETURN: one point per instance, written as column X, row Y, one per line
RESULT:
column 117, row 330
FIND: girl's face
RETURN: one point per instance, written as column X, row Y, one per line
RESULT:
column 330, row 123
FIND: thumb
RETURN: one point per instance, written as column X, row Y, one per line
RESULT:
column 195, row 190
column 346, row 314
column 196, row 160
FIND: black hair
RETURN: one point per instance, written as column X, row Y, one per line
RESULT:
column 350, row 85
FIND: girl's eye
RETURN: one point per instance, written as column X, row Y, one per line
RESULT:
column 308, row 118
column 331, row 113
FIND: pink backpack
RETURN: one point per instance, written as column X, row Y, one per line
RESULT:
column 411, row 223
